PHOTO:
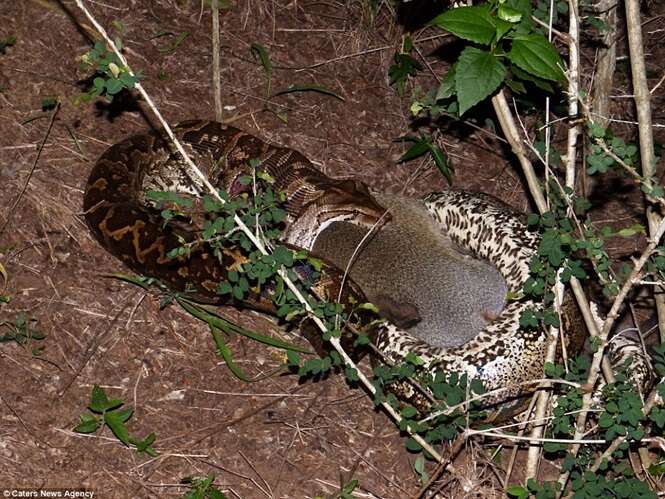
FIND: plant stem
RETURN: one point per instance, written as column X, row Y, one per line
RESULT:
column 643, row 105
column 216, row 77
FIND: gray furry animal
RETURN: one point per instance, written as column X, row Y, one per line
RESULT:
column 416, row 275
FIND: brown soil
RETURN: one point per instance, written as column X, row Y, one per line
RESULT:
column 273, row 438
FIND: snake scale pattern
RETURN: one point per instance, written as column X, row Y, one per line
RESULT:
column 121, row 219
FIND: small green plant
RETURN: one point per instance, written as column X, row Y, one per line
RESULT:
column 49, row 102
column 419, row 468
column 110, row 76
column 202, row 488
column 404, row 66
column 173, row 46
column 347, row 489
column 448, row 411
column 620, row 414
column 504, row 46
column 423, row 145
column 22, row 329
column 260, row 53
column 10, row 41
column 107, row 412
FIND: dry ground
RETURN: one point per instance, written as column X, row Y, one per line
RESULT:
column 273, row 438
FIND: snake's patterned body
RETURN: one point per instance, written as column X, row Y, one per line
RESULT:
column 502, row 355
column 130, row 228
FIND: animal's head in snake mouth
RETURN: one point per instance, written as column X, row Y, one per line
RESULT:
column 336, row 201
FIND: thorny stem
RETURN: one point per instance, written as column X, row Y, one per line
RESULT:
column 335, row 342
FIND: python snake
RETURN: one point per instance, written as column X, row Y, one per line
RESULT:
column 503, row 355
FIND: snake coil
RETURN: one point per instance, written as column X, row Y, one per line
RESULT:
column 502, row 355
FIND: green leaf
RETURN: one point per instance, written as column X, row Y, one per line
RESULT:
column 517, row 87
column 477, row 386
column 143, row 282
column 99, row 401
column 283, row 256
column 361, row 339
column 419, row 148
column 538, row 82
column 88, row 424
column 408, row 412
column 226, row 354
column 478, row 74
column 412, row 445
column 124, row 415
column 128, row 80
column 224, row 288
column 113, row 86
column 447, row 87
column 116, row 421
column 528, row 319
column 145, row 445
column 238, row 293
column 368, row 306
column 535, row 55
column 470, row 23
column 98, row 83
column 509, row 14
column 517, row 491
column 441, row 162
column 405, row 65
column 260, row 52
column 632, row 231
column 596, row 131
column 212, row 319
column 419, row 465
column 292, row 358
column 312, row 87
column 502, row 27
column 351, row 374
column 176, row 43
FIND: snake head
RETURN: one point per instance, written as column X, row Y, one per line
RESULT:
column 318, row 202
column 349, row 201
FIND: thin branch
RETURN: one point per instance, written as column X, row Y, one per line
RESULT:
column 604, row 77
column 12, row 210
column 573, row 90
column 507, row 122
column 643, row 105
column 216, row 77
